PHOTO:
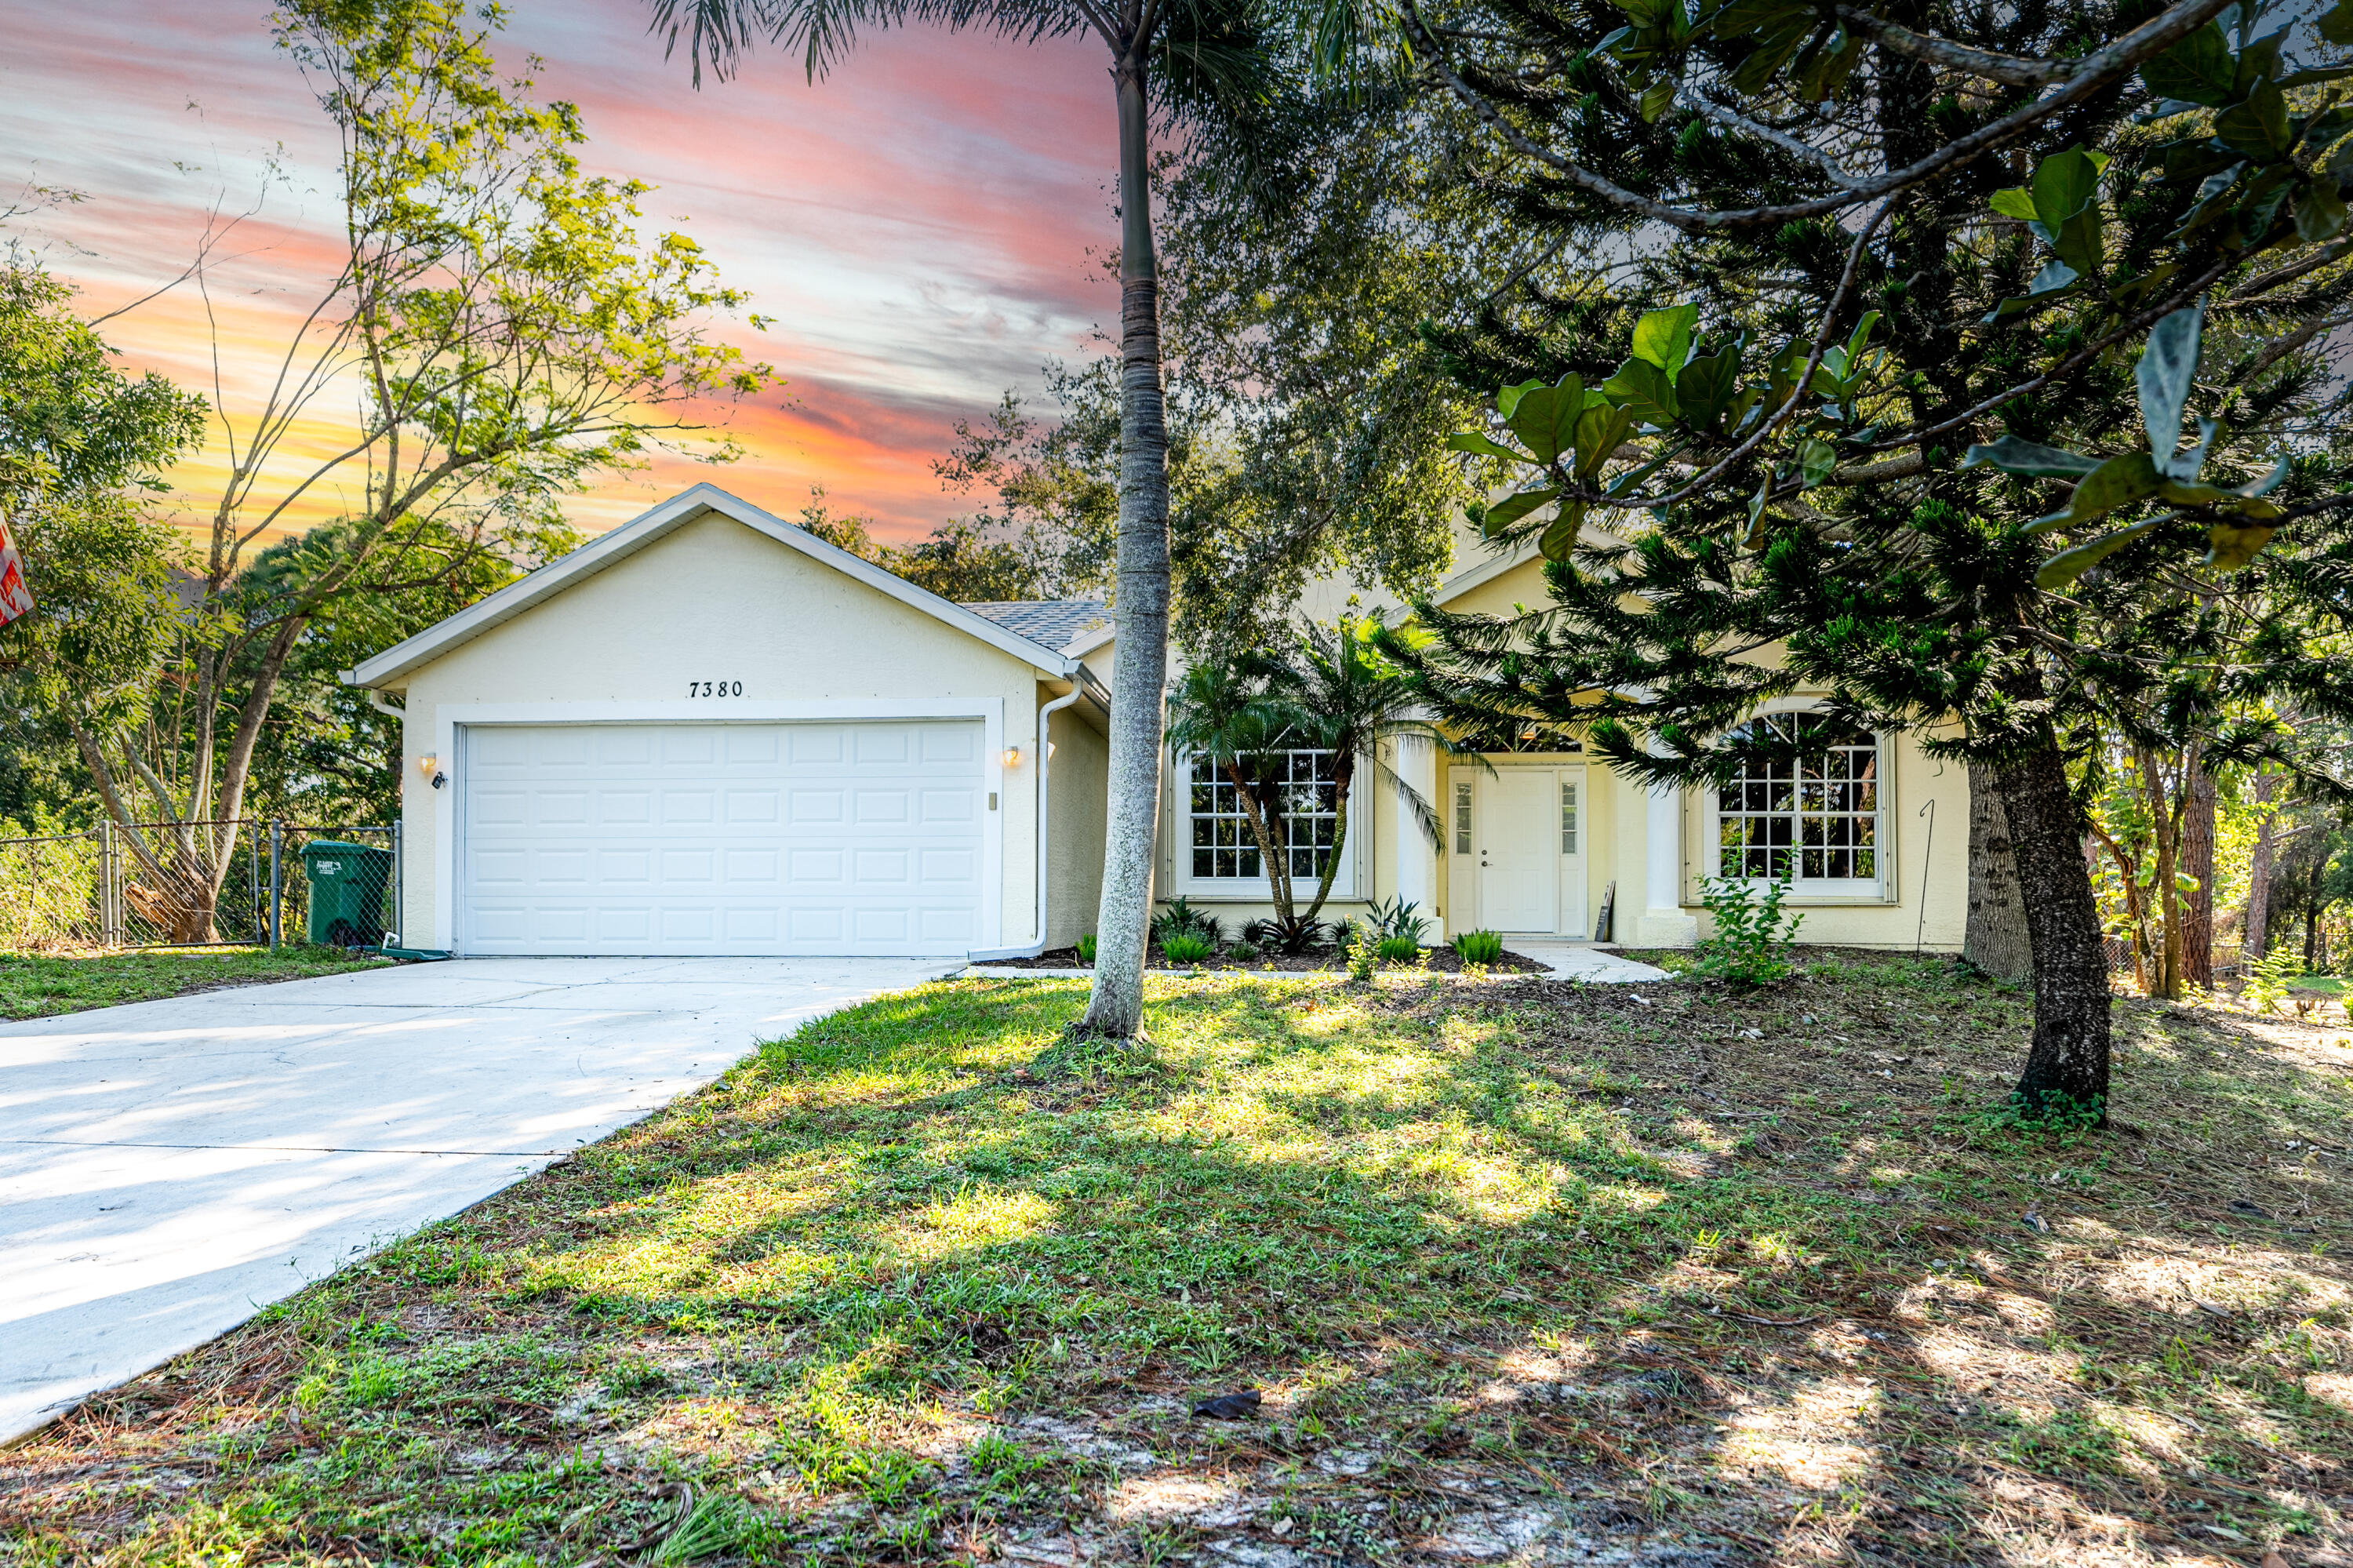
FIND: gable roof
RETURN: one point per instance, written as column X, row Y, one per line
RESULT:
column 1056, row 622
column 626, row 540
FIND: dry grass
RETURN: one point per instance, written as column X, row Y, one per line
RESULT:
column 1663, row 1276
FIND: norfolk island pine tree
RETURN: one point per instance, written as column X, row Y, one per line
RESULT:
column 1854, row 534
column 1178, row 58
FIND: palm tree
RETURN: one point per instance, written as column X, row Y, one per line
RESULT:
column 1185, row 58
column 1337, row 693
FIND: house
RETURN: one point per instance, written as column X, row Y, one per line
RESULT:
column 710, row 732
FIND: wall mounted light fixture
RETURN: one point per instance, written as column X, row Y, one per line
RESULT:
column 1012, row 757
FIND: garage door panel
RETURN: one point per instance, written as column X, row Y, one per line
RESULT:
column 786, row 838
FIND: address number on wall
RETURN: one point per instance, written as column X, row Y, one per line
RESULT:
column 714, row 688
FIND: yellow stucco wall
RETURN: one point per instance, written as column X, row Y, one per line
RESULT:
column 716, row 600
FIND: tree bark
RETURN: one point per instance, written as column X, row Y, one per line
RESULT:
column 1996, row 940
column 2164, row 812
column 2067, row 1065
column 1140, row 662
column 2197, row 864
column 2255, row 935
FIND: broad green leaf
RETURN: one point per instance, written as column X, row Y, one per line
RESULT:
column 2337, row 23
column 2229, row 546
column 1545, row 416
column 1815, row 460
column 1706, row 387
column 2017, row 202
column 1824, row 68
column 1509, row 397
column 1656, row 99
column 2068, row 565
column 2080, row 243
column 2269, row 482
column 1745, row 16
column 2164, row 373
column 2183, row 494
column 2065, row 184
column 1663, row 337
column 2320, row 211
column 1472, row 441
column 2258, row 125
column 2119, row 482
column 1512, row 508
column 1560, row 537
column 2054, row 282
column 1600, row 431
column 2031, row 459
column 2200, row 69
column 1643, row 390
column 1859, row 336
column 1774, row 44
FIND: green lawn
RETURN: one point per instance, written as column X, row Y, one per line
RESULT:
column 1668, row 1274
column 33, row 986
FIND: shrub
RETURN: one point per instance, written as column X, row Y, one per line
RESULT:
column 1181, row 919
column 1397, row 949
column 1274, row 936
column 2267, row 982
column 1750, row 946
column 1363, row 950
column 1087, row 949
column 1479, row 947
column 1244, row 951
column 1186, row 948
column 1397, row 918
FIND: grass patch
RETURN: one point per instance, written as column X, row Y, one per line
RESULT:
column 34, row 985
column 1539, row 1269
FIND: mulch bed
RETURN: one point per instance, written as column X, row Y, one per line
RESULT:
column 1442, row 961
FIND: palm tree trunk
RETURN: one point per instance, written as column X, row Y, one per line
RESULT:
column 1344, row 778
column 1140, row 662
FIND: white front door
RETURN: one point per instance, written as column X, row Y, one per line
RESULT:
column 859, row 838
column 1519, row 859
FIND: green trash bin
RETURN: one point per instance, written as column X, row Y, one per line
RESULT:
column 347, row 883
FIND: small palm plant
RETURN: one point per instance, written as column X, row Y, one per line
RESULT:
column 1333, row 691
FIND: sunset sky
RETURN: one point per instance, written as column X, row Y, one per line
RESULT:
column 926, row 225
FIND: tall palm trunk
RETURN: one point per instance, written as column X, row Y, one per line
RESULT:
column 1140, row 661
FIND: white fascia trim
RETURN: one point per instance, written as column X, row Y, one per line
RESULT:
column 1087, row 642
column 644, row 529
column 451, row 720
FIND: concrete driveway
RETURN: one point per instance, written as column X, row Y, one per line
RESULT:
column 169, row 1167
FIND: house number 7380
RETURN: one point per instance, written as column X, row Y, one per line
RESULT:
column 714, row 688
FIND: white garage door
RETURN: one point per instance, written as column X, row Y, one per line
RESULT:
column 775, row 838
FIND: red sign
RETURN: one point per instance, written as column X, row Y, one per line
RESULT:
column 15, row 594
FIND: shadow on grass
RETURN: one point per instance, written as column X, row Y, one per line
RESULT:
column 1751, row 1277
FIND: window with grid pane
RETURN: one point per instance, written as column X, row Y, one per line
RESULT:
column 1813, row 819
column 1222, row 845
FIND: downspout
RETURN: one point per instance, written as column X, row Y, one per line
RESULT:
column 1045, row 767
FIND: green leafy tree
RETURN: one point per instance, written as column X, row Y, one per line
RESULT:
column 1176, row 60
column 508, row 334
column 82, row 448
column 1945, row 362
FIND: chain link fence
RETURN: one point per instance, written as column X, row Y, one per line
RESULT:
column 218, row 884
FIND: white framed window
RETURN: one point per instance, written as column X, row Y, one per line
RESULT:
column 1567, row 818
column 1221, row 853
column 1463, row 816
column 1815, row 819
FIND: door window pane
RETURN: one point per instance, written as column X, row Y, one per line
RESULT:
column 1569, row 818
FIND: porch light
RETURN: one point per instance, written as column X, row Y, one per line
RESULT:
column 1012, row 757
column 428, row 763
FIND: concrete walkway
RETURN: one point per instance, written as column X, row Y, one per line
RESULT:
column 1583, row 961
column 167, row 1168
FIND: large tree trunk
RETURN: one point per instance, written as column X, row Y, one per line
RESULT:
column 2067, row 1065
column 2197, row 864
column 2255, row 937
column 1140, row 661
column 1996, row 940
